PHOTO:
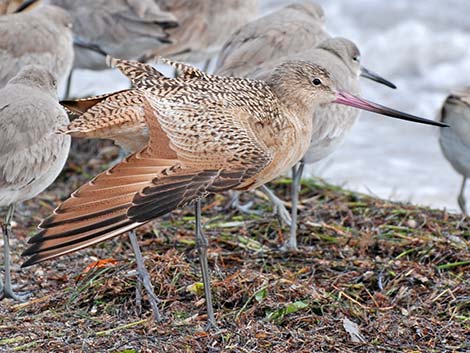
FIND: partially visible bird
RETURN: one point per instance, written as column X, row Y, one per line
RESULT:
column 287, row 31
column 261, row 43
column 41, row 37
column 455, row 140
column 32, row 154
column 123, row 28
column 204, row 27
column 296, row 32
column 207, row 134
column 9, row 6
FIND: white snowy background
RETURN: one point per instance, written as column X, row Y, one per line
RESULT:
column 423, row 46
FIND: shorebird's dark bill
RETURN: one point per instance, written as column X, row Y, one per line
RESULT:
column 376, row 77
column 353, row 101
column 90, row 46
column 25, row 5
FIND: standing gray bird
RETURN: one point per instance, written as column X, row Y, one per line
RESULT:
column 41, row 37
column 340, row 56
column 123, row 28
column 290, row 30
column 455, row 140
column 32, row 154
column 204, row 27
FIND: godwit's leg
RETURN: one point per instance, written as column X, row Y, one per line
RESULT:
column 7, row 290
column 278, row 205
column 461, row 198
column 297, row 171
column 202, row 245
column 144, row 276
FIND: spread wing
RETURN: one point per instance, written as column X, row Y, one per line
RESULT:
column 193, row 150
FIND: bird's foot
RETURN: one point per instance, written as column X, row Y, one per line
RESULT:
column 289, row 246
column 144, row 281
column 8, row 292
column 211, row 326
column 280, row 211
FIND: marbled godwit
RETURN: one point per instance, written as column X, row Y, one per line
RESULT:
column 31, row 153
column 455, row 140
column 207, row 134
column 41, row 37
column 204, row 27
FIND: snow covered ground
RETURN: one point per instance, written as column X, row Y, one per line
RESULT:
column 423, row 46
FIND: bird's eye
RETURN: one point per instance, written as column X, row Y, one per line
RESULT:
column 356, row 58
column 316, row 82
column 54, row 83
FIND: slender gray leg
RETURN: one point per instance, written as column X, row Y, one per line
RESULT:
column 202, row 243
column 206, row 65
column 68, row 88
column 7, row 291
column 461, row 198
column 144, row 276
column 278, row 205
column 297, row 171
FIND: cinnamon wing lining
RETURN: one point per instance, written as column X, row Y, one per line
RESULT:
column 97, row 210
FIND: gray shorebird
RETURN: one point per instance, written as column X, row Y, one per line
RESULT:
column 293, row 29
column 32, row 154
column 204, row 27
column 41, row 37
column 296, row 32
column 207, row 134
column 331, row 122
column 124, row 28
column 455, row 140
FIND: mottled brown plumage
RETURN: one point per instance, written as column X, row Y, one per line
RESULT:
column 119, row 117
column 206, row 134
